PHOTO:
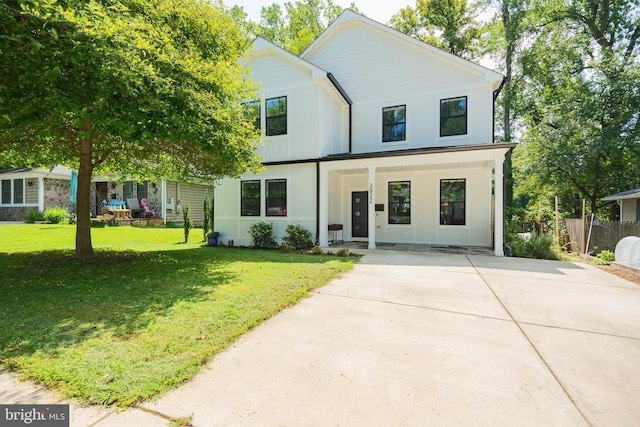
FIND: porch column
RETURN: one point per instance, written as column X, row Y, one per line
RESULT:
column 498, row 231
column 372, row 207
column 323, row 219
column 41, row 194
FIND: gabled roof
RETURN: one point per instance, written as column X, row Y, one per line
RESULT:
column 262, row 46
column 631, row 194
column 349, row 18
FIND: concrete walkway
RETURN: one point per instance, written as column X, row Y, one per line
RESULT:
column 409, row 338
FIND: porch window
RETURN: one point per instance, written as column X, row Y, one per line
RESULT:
column 250, row 198
column 12, row 191
column 276, row 197
column 127, row 190
column 142, row 190
column 452, row 201
column 400, row 202
column 276, row 117
column 394, row 123
column 453, row 116
column 252, row 111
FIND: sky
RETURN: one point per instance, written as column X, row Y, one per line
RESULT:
column 378, row 10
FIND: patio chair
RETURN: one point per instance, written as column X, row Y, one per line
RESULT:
column 134, row 206
column 148, row 212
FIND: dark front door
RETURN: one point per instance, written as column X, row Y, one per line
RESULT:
column 359, row 214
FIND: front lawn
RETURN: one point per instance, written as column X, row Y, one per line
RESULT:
column 145, row 316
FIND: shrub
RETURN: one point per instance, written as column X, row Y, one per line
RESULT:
column 343, row 252
column 606, row 256
column 287, row 248
column 186, row 221
column 262, row 235
column 317, row 250
column 55, row 215
column 33, row 216
column 298, row 237
column 538, row 246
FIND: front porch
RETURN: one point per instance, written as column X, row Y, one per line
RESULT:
column 434, row 249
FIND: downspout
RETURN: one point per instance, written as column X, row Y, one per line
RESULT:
column 495, row 97
column 342, row 92
column 317, row 243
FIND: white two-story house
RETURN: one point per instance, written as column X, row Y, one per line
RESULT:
column 386, row 136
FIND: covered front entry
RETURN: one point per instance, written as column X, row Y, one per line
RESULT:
column 359, row 214
column 410, row 198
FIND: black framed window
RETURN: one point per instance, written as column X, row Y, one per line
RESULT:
column 276, row 116
column 250, row 198
column 400, row 202
column 252, row 110
column 452, row 201
column 453, row 116
column 394, row 123
column 276, row 197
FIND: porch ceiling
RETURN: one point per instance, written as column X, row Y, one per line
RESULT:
column 484, row 164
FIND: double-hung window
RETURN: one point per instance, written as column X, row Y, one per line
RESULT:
column 276, row 116
column 127, row 190
column 453, row 116
column 142, row 190
column 452, row 201
column 250, row 198
column 276, row 197
column 252, row 110
column 12, row 192
column 394, row 123
column 400, row 202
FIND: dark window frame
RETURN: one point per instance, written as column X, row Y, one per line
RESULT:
column 444, row 119
column 270, row 128
column 452, row 210
column 388, row 134
column 399, row 209
column 244, row 199
column 273, row 208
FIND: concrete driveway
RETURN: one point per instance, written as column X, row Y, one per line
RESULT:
column 411, row 338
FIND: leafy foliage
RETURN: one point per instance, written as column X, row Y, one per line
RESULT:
column 33, row 216
column 298, row 237
column 100, row 86
column 262, row 235
column 55, row 215
column 186, row 221
column 540, row 246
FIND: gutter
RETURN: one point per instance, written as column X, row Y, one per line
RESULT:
column 340, row 89
column 495, row 97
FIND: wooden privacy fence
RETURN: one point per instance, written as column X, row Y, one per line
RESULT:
column 605, row 235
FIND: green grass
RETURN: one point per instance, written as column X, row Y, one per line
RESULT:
column 145, row 316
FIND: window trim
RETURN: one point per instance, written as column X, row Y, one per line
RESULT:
column 391, row 203
column 269, row 118
column 12, row 201
column 243, row 198
column 267, row 198
column 465, row 115
column 464, row 206
column 385, row 125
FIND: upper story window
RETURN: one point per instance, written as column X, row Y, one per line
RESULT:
column 453, row 116
column 276, row 197
column 452, row 201
column 12, row 191
column 252, row 109
column 394, row 123
column 400, row 202
column 276, row 117
column 250, row 198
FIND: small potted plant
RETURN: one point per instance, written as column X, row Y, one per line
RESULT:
column 212, row 238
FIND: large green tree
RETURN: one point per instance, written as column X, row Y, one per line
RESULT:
column 451, row 25
column 583, row 98
column 141, row 88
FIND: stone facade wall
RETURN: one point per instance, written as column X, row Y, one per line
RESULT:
column 57, row 193
column 14, row 213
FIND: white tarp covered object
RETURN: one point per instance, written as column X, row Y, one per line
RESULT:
column 628, row 251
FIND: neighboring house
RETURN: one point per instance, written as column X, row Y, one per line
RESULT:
column 378, row 132
column 629, row 202
column 25, row 189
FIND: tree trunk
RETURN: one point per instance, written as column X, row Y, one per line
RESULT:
column 84, row 248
